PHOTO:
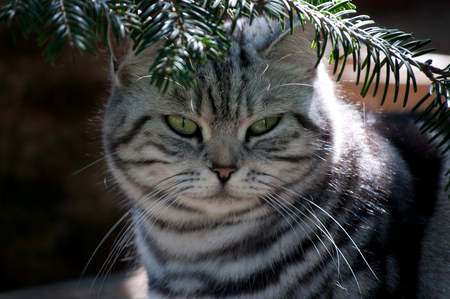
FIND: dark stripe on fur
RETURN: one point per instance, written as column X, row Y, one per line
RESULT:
column 122, row 163
column 195, row 226
column 143, row 162
column 257, row 281
column 291, row 159
column 323, row 133
column 244, row 61
column 160, row 146
column 424, row 162
column 212, row 101
column 249, row 105
column 127, row 137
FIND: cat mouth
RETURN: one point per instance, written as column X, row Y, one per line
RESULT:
column 220, row 196
column 224, row 197
column 223, row 204
column 226, row 193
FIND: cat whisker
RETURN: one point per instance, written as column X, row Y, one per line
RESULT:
column 279, row 207
column 292, row 216
column 340, row 227
column 126, row 215
column 265, row 70
column 120, row 244
column 344, row 231
column 126, row 233
column 284, row 57
column 292, row 84
column 166, row 78
column 319, row 224
column 159, row 201
column 150, row 211
column 168, row 206
column 91, row 164
column 338, row 185
column 322, row 228
column 312, row 203
column 288, row 84
column 171, row 177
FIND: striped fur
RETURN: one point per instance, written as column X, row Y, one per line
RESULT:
column 324, row 205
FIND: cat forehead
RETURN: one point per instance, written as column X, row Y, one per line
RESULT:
column 266, row 72
column 251, row 42
column 223, row 94
column 246, row 84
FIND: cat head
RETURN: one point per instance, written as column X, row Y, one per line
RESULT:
column 245, row 131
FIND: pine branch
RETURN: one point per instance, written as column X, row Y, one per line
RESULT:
column 27, row 12
column 76, row 24
column 190, row 32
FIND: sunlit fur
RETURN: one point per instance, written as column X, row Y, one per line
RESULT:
column 324, row 205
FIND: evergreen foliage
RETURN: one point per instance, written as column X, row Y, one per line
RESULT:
column 192, row 34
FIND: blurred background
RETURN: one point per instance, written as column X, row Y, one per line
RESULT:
column 54, row 206
column 53, row 212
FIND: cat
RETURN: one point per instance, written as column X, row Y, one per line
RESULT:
column 259, row 182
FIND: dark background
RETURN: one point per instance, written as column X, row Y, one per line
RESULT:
column 53, row 212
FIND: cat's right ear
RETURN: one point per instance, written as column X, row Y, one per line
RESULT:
column 126, row 66
column 120, row 49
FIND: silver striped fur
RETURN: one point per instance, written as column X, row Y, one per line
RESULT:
column 324, row 205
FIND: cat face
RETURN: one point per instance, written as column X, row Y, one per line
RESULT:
column 243, row 133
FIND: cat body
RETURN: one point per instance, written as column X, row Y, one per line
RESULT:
column 259, row 182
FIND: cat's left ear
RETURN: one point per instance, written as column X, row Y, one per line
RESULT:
column 291, row 50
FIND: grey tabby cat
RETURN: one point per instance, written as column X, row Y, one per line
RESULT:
column 260, row 183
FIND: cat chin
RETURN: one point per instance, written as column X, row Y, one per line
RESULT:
column 221, row 205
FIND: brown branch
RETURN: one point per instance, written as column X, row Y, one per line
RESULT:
column 430, row 70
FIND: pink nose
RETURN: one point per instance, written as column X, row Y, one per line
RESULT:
column 224, row 173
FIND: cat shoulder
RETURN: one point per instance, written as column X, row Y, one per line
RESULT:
column 428, row 166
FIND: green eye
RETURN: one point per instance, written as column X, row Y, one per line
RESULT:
column 182, row 125
column 264, row 125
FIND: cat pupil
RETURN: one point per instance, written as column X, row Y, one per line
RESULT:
column 183, row 126
column 263, row 126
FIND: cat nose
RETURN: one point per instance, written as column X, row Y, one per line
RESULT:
column 224, row 173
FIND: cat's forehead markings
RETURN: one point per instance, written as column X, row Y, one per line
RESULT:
column 202, row 76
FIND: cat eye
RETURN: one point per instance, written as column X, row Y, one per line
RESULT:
column 182, row 125
column 264, row 125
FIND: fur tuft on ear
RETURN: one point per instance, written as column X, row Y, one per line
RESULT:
column 126, row 66
column 119, row 50
column 292, row 51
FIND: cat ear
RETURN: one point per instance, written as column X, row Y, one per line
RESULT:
column 125, row 64
column 119, row 50
column 291, row 51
